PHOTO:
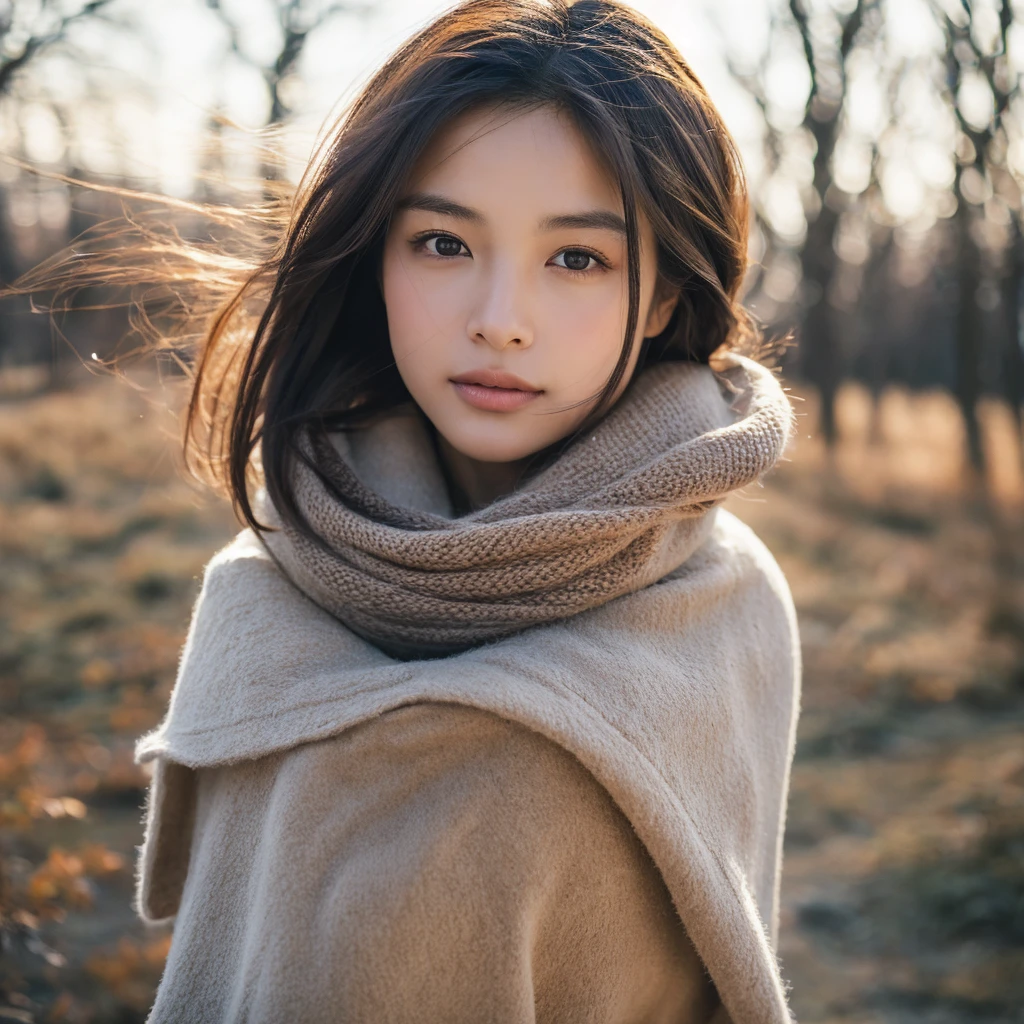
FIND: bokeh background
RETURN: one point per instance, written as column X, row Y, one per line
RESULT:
column 884, row 142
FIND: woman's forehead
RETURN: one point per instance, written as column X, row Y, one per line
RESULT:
column 498, row 155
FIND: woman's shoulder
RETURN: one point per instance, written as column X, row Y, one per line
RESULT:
column 244, row 551
column 241, row 573
column 736, row 540
column 734, row 555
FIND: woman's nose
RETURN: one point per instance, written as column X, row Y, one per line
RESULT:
column 500, row 316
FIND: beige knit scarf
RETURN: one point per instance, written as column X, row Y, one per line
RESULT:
column 618, row 510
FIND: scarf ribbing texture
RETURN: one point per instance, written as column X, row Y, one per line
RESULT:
column 619, row 509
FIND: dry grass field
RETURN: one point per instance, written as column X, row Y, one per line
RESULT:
column 904, row 874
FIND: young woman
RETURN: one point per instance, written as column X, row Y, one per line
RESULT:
column 488, row 713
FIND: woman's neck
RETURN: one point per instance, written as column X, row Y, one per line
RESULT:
column 480, row 483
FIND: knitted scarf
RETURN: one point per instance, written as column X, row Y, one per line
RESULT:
column 618, row 510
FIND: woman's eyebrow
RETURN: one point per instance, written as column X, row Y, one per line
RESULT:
column 605, row 219
column 434, row 203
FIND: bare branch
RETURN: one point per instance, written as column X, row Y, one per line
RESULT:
column 803, row 24
column 36, row 43
column 295, row 31
column 852, row 26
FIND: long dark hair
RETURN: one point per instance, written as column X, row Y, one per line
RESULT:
column 297, row 338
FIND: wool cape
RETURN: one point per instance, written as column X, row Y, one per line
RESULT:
column 606, row 619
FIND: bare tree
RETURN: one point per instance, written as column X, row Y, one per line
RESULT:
column 30, row 30
column 27, row 29
column 827, row 64
column 297, row 20
column 827, row 55
column 983, row 161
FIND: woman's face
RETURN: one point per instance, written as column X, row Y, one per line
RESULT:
column 504, row 277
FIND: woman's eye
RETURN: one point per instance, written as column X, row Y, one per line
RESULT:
column 443, row 245
column 575, row 259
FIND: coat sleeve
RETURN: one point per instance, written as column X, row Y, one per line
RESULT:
column 437, row 863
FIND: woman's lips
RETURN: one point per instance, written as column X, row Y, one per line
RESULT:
column 494, row 390
column 494, row 399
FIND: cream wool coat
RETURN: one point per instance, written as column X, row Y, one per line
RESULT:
column 579, row 822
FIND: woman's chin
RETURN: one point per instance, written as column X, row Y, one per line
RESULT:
column 497, row 449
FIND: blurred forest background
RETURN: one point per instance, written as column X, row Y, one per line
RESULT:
column 884, row 140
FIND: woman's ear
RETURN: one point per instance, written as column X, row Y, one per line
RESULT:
column 660, row 311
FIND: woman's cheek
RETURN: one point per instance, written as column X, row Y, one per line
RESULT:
column 420, row 312
column 589, row 330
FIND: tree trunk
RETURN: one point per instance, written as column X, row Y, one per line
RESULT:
column 968, row 384
column 1014, row 352
column 819, row 356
